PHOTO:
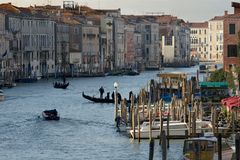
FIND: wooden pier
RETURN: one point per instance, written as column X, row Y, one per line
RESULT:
column 158, row 115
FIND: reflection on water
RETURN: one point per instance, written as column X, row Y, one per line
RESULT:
column 85, row 130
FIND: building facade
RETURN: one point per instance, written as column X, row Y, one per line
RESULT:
column 168, row 49
column 231, row 31
column 6, row 58
column 199, row 41
column 215, row 38
column 129, row 57
column 150, row 44
column 90, row 48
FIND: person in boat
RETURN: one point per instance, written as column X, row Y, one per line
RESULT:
column 101, row 90
column 108, row 95
column 112, row 95
column 64, row 80
column 119, row 97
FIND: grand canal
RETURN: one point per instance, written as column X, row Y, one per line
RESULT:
column 85, row 130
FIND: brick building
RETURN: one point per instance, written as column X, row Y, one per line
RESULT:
column 231, row 38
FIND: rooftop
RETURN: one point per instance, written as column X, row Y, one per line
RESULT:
column 198, row 25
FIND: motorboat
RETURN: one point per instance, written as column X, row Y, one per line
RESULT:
column 1, row 95
column 200, row 148
column 50, row 115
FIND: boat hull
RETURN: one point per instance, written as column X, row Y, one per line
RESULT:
column 49, row 117
column 156, row 133
column 97, row 100
column 60, row 85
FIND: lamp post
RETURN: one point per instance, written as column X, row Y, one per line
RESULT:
column 115, row 100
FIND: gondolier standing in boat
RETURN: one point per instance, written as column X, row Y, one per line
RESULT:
column 101, row 90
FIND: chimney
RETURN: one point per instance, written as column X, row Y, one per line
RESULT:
column 225, row 13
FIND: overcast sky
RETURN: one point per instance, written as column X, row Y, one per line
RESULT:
column 189, row 10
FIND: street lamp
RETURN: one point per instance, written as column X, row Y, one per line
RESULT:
column 115, row 100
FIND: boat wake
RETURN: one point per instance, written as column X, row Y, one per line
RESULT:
column 84, row 122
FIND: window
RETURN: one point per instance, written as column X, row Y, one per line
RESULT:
column 231, row 28
column 232, row 51
column 147, row 37
column 147, row 50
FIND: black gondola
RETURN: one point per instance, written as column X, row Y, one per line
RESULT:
column 97, row 100
column 102, row 100
column 60, row 85
column 50, row 115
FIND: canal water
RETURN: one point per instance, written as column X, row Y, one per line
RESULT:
column 85, row 131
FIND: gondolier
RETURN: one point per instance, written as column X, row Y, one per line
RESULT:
column 101, row 90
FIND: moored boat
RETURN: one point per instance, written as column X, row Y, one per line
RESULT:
column 50, row 115
column 200, row 148
column 175, row 129
column 1, row 95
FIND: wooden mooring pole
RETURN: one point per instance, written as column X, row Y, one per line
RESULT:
column 237, row 146
column 151, row 149
column 161, row 120
column 139, row 134
column 219, row 141
column 133, row 121
column 150, row 124
column 168, row 118
column 164, row 145
column 194, row 124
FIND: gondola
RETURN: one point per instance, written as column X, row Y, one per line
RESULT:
column 97, row 100
column 101, row 100
column 50, row 115
column 60, row 85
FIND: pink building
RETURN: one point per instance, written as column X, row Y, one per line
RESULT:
column 129, row 56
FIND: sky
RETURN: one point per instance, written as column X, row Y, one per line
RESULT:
column 188, row 10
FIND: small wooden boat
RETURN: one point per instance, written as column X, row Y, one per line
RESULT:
column 97, row 100
column 50, row 115
column 60, row 85
column 1, row 95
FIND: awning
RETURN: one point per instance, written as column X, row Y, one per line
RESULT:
column 231, row 102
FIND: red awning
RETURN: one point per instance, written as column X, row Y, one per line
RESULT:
column 231, row 102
